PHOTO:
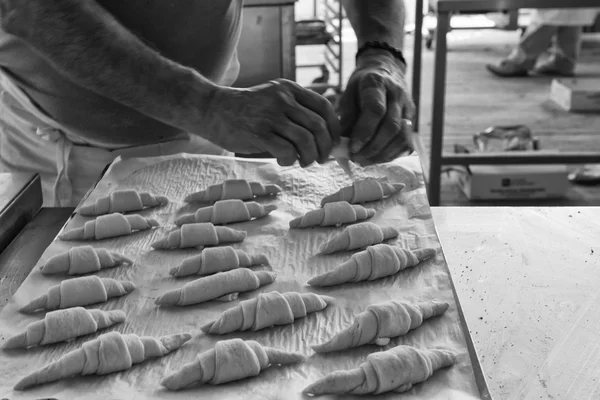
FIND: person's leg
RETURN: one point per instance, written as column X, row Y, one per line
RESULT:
column 564, row 54
column 523, row 58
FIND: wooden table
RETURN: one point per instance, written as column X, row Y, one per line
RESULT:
column 527, row 279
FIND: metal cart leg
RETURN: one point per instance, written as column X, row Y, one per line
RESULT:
column 417, row 58
column 340, row 46
column 437, row 117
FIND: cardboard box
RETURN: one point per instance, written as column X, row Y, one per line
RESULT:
column 576, row 94
column 496, row 182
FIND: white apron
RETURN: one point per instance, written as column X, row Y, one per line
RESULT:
column 565, row 16
column 30, row 141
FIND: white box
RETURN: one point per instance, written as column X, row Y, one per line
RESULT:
column 576, row 94
column 496, row 182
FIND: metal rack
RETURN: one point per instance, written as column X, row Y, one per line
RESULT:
column 331, row 14
column 445, row 9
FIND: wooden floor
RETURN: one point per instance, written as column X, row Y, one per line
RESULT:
column 476, row 100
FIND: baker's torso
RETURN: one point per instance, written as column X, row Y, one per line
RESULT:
column 201, row 34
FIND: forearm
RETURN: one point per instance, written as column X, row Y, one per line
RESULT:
column 377, row 20
column 83, row 41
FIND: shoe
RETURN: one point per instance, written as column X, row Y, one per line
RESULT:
column 509, row 69
column 556, row 66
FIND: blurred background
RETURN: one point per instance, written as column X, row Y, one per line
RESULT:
column 310, row 41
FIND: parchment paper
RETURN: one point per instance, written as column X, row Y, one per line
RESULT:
column 293, row 257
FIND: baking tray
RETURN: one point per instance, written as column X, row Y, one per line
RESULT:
column 412, row 202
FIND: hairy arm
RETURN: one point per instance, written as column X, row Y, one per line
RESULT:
column 83, row 41
column 380, row 20
column 376, row 102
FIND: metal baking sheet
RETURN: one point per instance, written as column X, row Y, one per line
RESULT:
column 293, row 256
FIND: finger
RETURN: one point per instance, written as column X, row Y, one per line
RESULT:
column 408, row 111
column 315, row 125
column 409, row 134
column 408, row 116
column 399, row 145
column 372, row 110
column 281, row 149
column 320, row 105
column 286, row 162
column 390, row 127
column 303, row 141
column 361, row 160
column 348, row 109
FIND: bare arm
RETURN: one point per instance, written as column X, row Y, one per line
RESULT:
column 380, row 20
column 94, row 50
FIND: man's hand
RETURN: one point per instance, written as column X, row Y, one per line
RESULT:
column 376, row 109
column 279, row 117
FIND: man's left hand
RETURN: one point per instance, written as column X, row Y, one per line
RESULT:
column 376, row 109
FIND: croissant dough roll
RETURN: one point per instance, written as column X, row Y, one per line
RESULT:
column 82, row 260
column 217, row 259
column 363, row 191
column 395, row 370
column 230, row 360
column 107, row 353
column 227, row 211
column 381, row 322
column 359, row 236
column 221, row 286
column 266, row 310
column 110, row 225
column 80, row 291
column 373, row 263
column 333, row 214
column 199, row 234
column 61, row 325
column 121, row 201
column 233, row 189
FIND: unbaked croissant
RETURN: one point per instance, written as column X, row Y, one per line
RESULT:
column 80, row 291
column 223, row 286
column 107, row 353
column 394, row 370
column 198, row 235
column 229, row 361
column 373, row 263
column 359, row 236
column 381, row 322
column 226, row 212
column 266, row 310
column 61, row 325
column 217, row 259
column 82, row 260
column 363, row 191
column 333, row 214
column 233, row 189
column 122, row 201
column 111, row 225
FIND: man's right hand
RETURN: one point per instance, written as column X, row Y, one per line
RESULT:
column 280, row 117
